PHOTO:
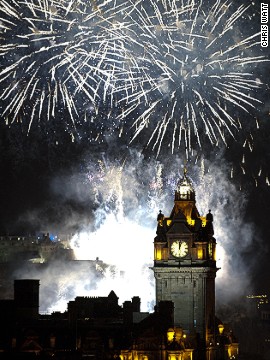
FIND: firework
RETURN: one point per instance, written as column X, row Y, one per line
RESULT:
column 181, row 68
column 195, row 71
column 56, row 56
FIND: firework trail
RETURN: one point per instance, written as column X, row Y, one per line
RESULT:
column 181, row 68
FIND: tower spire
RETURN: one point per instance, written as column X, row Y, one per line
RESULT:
column 185, row 168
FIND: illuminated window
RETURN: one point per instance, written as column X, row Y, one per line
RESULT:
column 170, row 335
column 158, row 254
column 200, row 253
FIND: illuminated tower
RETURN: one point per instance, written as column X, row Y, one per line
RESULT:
column 185, row 264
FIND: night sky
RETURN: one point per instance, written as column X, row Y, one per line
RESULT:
column 53, row 177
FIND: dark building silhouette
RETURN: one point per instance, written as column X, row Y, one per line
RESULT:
column 183, row 325
column 26, row 298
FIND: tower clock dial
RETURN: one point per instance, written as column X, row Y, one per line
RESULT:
column 179, row 248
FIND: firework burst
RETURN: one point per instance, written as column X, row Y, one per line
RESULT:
column 56, row 56
column 195, row 71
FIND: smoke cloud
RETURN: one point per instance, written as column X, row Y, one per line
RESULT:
column 234, row 234
column 114, row 228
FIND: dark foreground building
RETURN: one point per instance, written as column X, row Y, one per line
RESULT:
column 182, row 327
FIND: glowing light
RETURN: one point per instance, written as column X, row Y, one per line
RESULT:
column 129, row 248
column 220, row 329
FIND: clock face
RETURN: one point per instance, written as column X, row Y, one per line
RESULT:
column 179, row 248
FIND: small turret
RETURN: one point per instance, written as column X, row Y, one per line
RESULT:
column 160, row 218
column 160, row 228
column 209, row 224
column 184, row 189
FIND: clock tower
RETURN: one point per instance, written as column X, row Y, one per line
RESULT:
column 185, row 264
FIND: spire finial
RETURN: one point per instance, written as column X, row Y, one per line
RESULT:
column 185, row 168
